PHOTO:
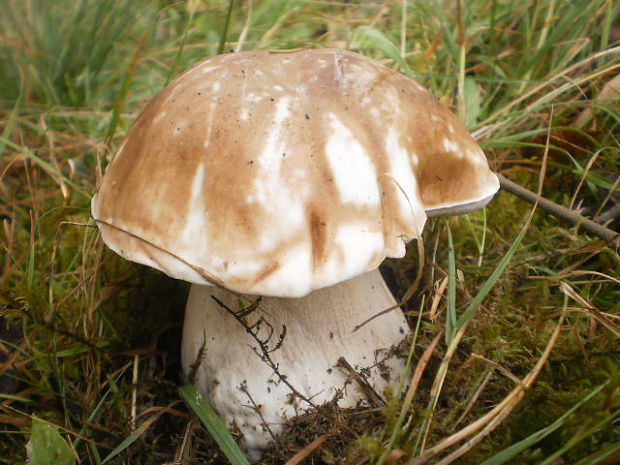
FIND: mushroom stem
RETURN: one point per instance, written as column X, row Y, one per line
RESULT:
column 262, row 361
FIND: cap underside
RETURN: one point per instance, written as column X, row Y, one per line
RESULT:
column 467, row 207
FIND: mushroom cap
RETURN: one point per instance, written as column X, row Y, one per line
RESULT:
column 278, row 173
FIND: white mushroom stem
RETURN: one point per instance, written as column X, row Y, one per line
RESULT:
column 257, row 381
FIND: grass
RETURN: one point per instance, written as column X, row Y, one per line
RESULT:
column 528, row 374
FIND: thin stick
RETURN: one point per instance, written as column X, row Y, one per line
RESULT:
column 363, row 384
column 568, row 216
column 304, row 453
column 181, row 453
column 134, row 390
column 598, row 215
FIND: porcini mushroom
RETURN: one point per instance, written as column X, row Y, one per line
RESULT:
column 289, row 176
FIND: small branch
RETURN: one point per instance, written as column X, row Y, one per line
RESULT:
column 612, row 214
column 134, row 390
column 364, row 385
column 193, row 368
column 304, row 453
column 253, row 331
column 568, row 216
column 256, row 409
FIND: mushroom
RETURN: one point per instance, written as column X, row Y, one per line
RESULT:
column 291, row 176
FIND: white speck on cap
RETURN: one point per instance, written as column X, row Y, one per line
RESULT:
column 207, row 69
column 195, row 225
column 450, row 145
column 159, row 117
column 210, row 117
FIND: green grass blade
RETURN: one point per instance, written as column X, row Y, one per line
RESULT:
column 607, row 22
column 220, row 46
column 491, row 281
column 472, row 102
column 517, row 448
column 599, row 457
column 95, row 414
column 483, row 240
column 407, row 401
column 581, row 436
column 177, row 58
column 95, row 453
column 43, row 164
column 120, row 100
column 10, row 124
column 214, row 424
column 21, row 399
column 366, row 37
column 459, row 330
column 129, row 440
column 451, row 318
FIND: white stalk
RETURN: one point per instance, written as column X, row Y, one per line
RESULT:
column 258, row 387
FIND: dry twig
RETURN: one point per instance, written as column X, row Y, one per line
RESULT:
column 565, row 214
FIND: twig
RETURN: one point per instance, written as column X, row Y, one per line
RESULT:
column 253, row 331
column 608, row 215
column 256, row 409
column 193, row 368
column 364, row 385
column 134, row 390
column 300, row 456
column 180, row 453
column 568, row 216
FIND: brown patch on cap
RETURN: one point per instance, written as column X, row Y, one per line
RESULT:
column 318, row 237
column 267, row 272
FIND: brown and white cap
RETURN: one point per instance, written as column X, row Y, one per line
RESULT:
column 280, row 173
